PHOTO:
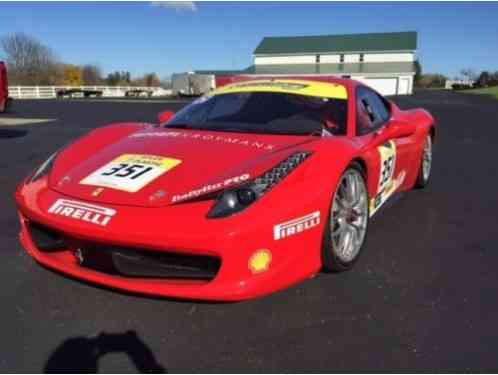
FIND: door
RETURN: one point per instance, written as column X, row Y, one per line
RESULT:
column 389, row 157
column 404, row 86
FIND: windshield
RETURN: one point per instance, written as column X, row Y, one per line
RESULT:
column 264, row 113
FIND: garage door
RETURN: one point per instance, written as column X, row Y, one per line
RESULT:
column 404, row 86
column 385, row 86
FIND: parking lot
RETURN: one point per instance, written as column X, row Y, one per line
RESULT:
column 423, row 297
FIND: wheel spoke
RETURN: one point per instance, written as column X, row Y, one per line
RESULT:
column 352, row 239
column 427, row 158
column 360, row 203
column 351, row 189
column 339, row 230
column 339, row 203
column 343, row 194
column 358, row 230
column 339, row 234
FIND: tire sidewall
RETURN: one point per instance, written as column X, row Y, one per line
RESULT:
column 330, row 260
column 421, row 182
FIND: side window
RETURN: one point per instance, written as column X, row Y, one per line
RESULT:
column 379, row 106
column 365, row 119
column 371, row 111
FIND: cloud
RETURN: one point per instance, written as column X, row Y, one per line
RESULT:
column 188, row 6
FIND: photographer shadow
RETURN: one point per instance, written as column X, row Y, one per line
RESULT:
column 81, row 354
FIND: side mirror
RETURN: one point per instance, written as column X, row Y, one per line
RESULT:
column 165, row 116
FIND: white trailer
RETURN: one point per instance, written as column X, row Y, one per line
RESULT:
column 192, row 84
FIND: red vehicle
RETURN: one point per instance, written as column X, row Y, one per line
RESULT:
column 4, row 88
column 249, row 189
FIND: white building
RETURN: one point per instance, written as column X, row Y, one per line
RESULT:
column 384, row 61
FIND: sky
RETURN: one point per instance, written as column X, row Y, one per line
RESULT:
column 168, row 37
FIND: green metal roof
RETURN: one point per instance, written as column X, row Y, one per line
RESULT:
column 349, row 68
column 401, row 41
column 223, row 72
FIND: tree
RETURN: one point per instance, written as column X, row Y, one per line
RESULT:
column 91, row 75
column 152, row 80
column 29, row 61
column 148, row 79
column 72, row 76
column 432, row 80
column 493, row 79
column 469, row 74
column 113, row 78
column 483, row 79
column 418, row 71
column 118, row 78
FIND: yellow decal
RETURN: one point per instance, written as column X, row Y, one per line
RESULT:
column 260, row 261
column 287, row 86
column 130, row 172
column 386, row 185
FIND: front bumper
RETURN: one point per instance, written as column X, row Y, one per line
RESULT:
column 185, row 229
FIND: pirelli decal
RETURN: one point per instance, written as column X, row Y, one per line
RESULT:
column 82, row 211
column 295, row 226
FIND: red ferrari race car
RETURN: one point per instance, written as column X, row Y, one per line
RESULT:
column 256, row 186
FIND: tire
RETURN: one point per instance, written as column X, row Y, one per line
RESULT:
column 3, row 105
column 424, row 174
column 347, row 223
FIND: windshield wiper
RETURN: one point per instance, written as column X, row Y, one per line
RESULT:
column 229, row 129
column 182, row 126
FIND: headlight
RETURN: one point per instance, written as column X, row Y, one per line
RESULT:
column 235, row 200
column 45, row 168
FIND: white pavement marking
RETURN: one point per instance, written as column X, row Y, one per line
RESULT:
column 13, row 121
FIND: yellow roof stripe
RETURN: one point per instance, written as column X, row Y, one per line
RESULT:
column 287, row 86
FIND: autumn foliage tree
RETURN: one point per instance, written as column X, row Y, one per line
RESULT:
column 72, row 76
column 152, row 80
column 148, row 80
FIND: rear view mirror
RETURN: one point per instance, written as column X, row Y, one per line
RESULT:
column 165, row 116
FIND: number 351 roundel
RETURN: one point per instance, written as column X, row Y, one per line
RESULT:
column 130, row 172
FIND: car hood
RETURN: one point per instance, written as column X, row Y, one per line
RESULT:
column 194, row 163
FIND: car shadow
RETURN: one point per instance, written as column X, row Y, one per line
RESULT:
column 81, row 354
column 12, row 133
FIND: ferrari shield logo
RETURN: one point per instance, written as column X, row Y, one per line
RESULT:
column 97, row 192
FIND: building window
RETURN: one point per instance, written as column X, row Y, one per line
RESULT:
column 341, row 58
column 317, row 59
column 362, row 57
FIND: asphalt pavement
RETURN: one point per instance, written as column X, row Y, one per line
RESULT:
column 423, row 297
